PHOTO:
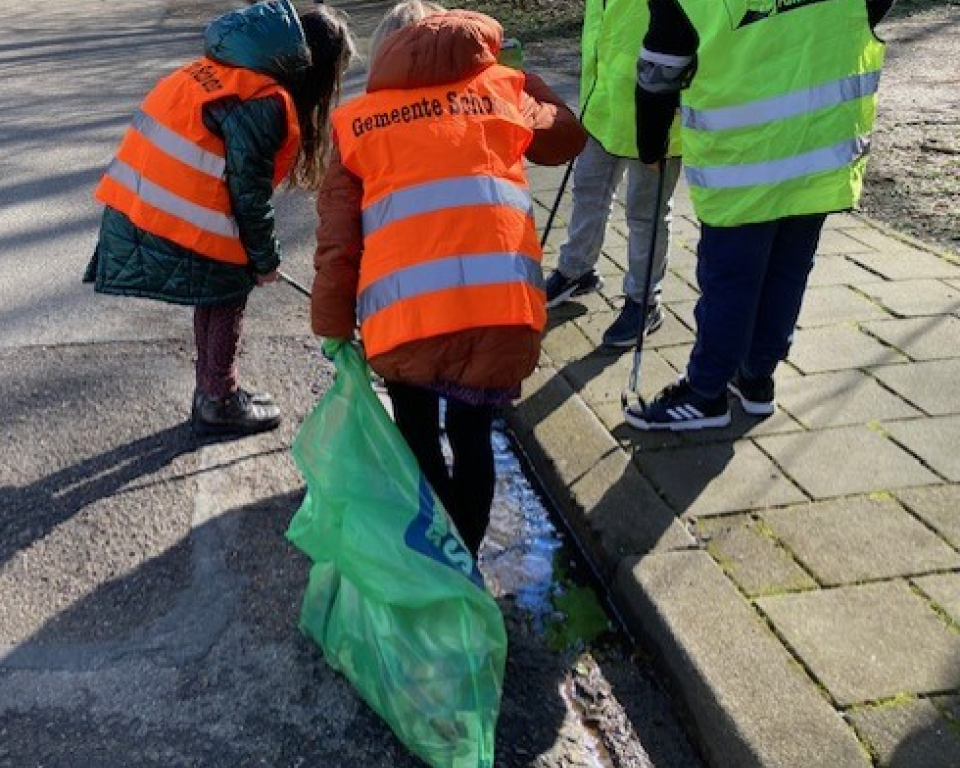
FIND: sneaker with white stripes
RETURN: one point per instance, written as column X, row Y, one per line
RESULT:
column 678, row 408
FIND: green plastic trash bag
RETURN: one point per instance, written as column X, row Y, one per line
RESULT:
column 394, row 599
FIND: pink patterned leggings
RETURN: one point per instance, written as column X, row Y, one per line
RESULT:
column 217, row 329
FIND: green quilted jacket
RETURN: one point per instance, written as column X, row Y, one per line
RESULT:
column 267, row 38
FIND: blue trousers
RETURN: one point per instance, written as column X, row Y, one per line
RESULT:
column 752, row 280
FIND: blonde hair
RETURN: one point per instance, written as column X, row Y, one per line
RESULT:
column 402, row 14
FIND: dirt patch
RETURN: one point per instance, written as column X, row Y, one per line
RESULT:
column 913, row 181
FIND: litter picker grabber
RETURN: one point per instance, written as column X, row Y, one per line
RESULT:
column 633, row 384
column 299, row 287
column 563, row 183
column 556, row 204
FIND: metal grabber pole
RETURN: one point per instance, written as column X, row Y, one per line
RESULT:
column 633, row 384
column 293, row 283
column 556, row 204
column 563, row 183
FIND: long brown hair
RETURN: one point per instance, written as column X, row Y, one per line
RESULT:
column 317, row 89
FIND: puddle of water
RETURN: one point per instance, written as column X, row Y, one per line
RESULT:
column 525, row 557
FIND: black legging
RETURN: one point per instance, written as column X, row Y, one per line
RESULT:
column 467, row 491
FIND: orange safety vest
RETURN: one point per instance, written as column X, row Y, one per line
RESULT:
column 169, row 175
column 449, row 236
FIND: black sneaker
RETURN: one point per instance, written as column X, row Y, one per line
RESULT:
column 755, row 395
column 259, row 398
column 624, row 330
column 237, row 414
column 560, row 288
column 679, row 408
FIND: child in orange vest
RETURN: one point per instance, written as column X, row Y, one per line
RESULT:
column 189, row 216
column 427, row 234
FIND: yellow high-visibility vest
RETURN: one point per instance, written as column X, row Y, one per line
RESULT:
column 777, row 118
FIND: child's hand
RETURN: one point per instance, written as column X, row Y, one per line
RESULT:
column 270, row 277
column 330, row 347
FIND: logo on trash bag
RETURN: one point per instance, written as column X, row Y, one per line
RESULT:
column 430, row 533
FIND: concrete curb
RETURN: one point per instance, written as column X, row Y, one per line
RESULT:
column 723, row 661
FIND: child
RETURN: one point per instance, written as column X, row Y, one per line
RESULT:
column 189, row 215
column 427, row 233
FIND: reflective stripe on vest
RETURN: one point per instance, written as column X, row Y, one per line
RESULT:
column 176, row 146
column 448, row 193
column 779, row 107
column 475, row 269
column 169, row 175
column 155, row 195
column 840, row 155
column 778, row 115
column 449, row 238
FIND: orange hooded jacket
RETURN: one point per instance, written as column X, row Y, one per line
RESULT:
column 440, row 52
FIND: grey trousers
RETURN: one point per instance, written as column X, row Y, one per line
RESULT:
column 596, row 176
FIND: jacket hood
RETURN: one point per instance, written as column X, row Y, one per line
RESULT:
column 441, row 48
column 265, row 37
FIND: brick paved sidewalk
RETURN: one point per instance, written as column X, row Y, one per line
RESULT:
column 798, row 577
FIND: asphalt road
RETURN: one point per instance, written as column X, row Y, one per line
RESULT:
column 148, row 598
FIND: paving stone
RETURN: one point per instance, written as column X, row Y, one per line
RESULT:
column 838, row 270
column 600, row 376
column 675, row 289
column 582, row 307
column 677, row 356
column 745, row 425
column 944, row 590
column 672, row 333
column 868, row 642
column 931, row 386
column 709, row 479
column 933, row 440
column 846, row 222
column 921, row 338
column 900, row 261
column 910, row 298
column 832, row 304
column 909, row 734
column 838, row 399
column 949, row 705
column 686, row 272
column 624, row 513
column 750, row 556
column 683, row 257
column 938, row 506
column 565, row 341
column 837, row 348
column 838, row 241
column 595, row 322
column 543, row 392
column 859, row 538
column 751, row 704
column 845, row 461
